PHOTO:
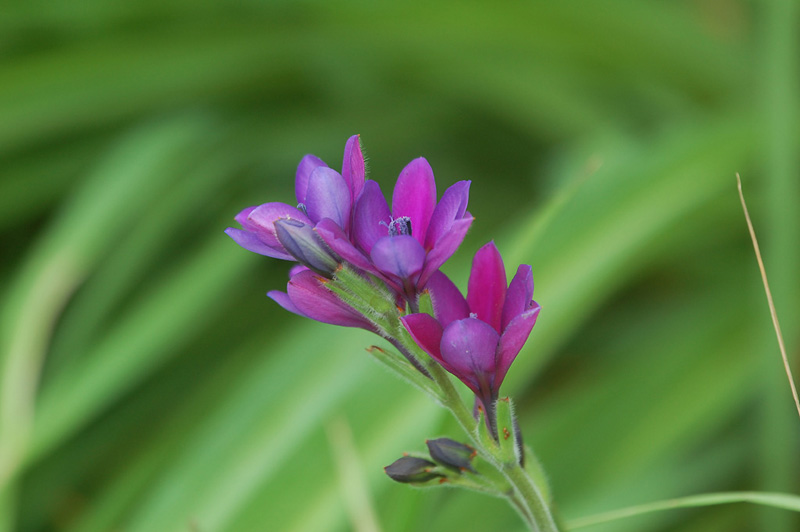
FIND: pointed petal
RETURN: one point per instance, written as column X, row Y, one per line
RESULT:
column 282, row 299
column 371, row 218
column 307, row 165
column 251, row 242
column 353, row 170
column 337, row 240
column 297, row 268
column 487, row 286
column 309, row 295
column 241, row 218
column 518, row 296
column 469, row 347
column 415, row 196
column 426, row 332
column 445, row 247
column 448, row 303
column 328, row 196
column 400, row 255
column 512, row 340
column 450, row 208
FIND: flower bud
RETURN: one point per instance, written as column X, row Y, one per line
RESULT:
column 452, row 454
column 303, row 243
column 412, row 470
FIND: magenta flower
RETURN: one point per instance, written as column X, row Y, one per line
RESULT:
column 307, row 296
column 406, row 245
column 323, row 194
column 477, row 339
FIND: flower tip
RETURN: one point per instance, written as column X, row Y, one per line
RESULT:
column 489, row 247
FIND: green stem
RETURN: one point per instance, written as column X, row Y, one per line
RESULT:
column 522, row 510
column 527, row 498
column 532, row 496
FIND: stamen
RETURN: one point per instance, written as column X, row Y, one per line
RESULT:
column 400, row 226
column 473, row 315
column 302, row 208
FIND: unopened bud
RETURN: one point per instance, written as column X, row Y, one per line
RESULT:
column 452, row 454
column 412, row 470
column 303, row 243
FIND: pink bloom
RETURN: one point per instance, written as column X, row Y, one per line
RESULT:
column 477, row 339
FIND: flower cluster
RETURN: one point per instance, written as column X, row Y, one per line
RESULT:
column 342, row 220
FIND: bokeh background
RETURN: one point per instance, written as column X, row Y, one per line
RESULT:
column 147, row 384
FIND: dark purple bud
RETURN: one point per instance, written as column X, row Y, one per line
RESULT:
column 452, row 454
column 303, row 243
column 412, row 470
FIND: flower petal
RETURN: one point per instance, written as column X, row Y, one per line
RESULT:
column 518, row 296
column 445, row 247
column 307, row 165
column 251, row 242
column 426, row 332
column 241, row 218
column 337, row 240
column 450, row 208
column 448, row 303
column 415, row 196
column 309, row 295
column 328, row 196
column 400, row 255
column 371, row 218
column 353, row 170
column 512, row 340
column 261, row 220
column 486, row 292
column 469, row 347
column 297, row 268
column 282, row 299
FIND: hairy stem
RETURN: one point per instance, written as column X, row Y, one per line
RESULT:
column 527, row 498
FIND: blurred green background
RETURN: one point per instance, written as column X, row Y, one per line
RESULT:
column 147, row 384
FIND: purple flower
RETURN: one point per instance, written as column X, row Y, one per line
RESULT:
column 344, row 218
column 477, row 339
column 406, row 245
column 323, row 195
column 306, row 295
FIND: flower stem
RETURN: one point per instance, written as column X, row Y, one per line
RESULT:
column 522, row 510
column 532, row 498
column 527, row 498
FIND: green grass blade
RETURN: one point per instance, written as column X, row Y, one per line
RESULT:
column 784, row 501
